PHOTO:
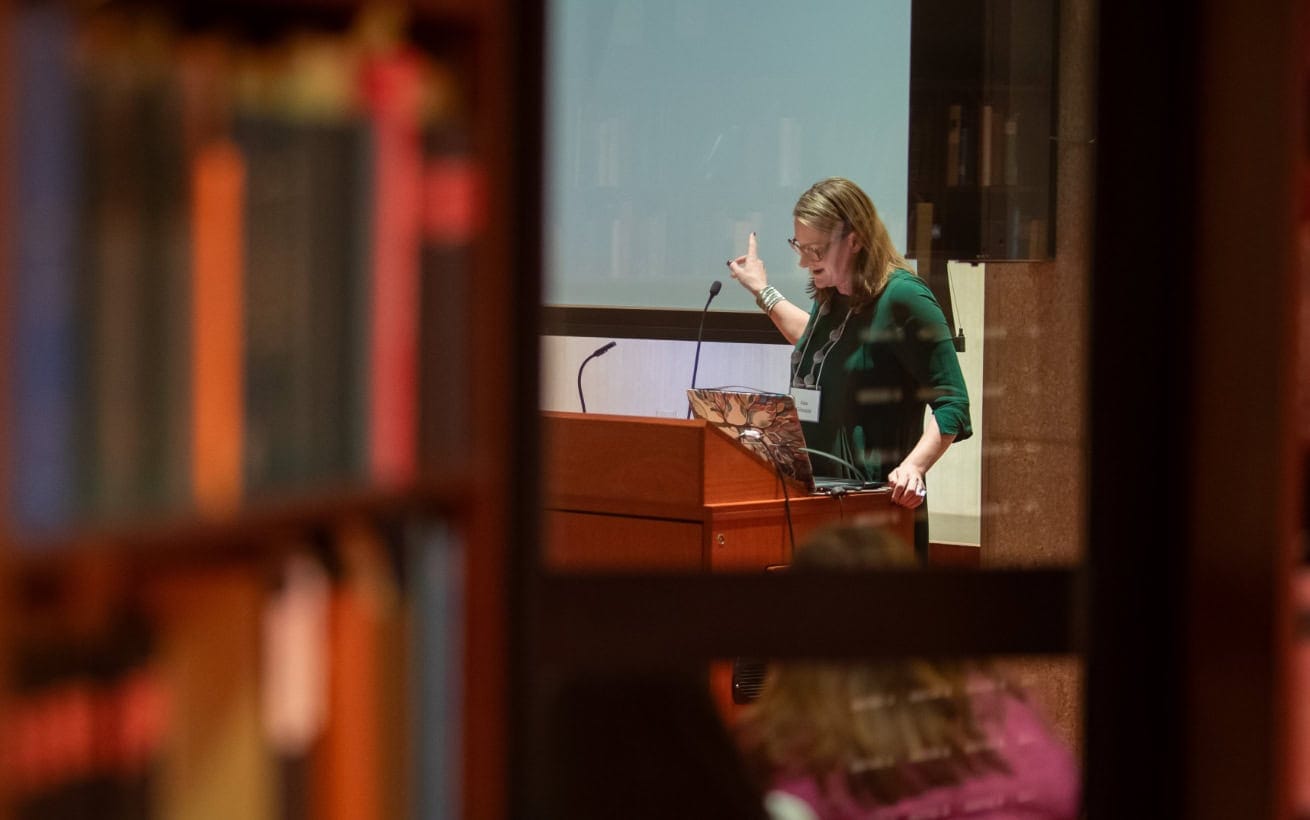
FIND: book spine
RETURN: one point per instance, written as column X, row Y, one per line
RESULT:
column 435, row 558
column 967, row 149
column 162, row 338
column 1012, row 150
column 46, row 231
column 451, row 215
column 923, row 216
column 392, row 85
column 216, row 761
column 953, row 129
column 349, row 777
column 277, row 280
column 358, row 432
column 339, row 153
column 89, row 711
column 111, row 284
column 218, row 192
column 294, row 685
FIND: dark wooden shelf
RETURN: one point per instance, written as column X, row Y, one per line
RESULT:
column 1000, row 190
column 247, row 532
column 975, row 87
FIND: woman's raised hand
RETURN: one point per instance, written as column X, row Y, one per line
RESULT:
column 748, row 269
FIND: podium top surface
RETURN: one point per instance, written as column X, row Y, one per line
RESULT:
column 659, row 467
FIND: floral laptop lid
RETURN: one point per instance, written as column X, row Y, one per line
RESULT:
column 766, row 424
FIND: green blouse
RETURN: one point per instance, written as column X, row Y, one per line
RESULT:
column 876, row 370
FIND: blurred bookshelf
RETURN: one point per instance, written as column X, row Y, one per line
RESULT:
column 252, row 476
column 983, row 101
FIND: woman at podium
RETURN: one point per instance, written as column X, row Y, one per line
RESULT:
column 871, row 351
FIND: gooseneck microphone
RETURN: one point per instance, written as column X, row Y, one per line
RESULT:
column 600, row 351
column 715, row 287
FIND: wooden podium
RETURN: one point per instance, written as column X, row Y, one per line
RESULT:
column 648, row 494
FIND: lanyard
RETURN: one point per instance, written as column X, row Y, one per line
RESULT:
column 812, row 379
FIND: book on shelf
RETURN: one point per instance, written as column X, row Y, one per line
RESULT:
column 216, row 762
column 350, row 778
column 240, row 271
column 219, row 177
column 294, row 686
column 45, row 207
column 217, row 323
column 340, row 234
column 88, row 710
column 923, row 231
column 985, row 145
column 325, row 684
column 111, row 245
column 218, row 298
column 1011, row 166
column 302, row 308
column 954, row 127
column 451, row 216
column 162, row 340
column 277, row 280
column 134, row 279
column 434, row 560
column 392, row 84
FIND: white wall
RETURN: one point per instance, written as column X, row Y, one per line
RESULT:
column 646, row 377
column 955, row 483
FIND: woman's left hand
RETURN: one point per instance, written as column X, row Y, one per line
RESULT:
column 908, row 486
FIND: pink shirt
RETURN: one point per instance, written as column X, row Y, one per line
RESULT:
column 1043, row 782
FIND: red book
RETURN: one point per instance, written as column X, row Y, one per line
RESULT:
column 392, row 91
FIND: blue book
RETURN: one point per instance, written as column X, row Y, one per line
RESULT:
column 435, row 559
column 46, row 239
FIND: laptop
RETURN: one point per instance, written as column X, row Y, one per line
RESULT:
column 766, row 424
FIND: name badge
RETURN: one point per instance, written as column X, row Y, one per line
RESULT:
column 807, row 403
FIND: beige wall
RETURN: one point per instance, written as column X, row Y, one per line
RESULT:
column 1034, row 464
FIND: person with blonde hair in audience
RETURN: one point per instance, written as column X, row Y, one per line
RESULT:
column 899, row 738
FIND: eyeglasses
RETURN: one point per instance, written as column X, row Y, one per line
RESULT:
column 814, row 253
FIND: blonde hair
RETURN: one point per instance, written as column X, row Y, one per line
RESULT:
column 890, row 729
column 837, row 203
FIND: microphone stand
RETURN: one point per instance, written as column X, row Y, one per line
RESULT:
column 715, row 286
column 600, row 351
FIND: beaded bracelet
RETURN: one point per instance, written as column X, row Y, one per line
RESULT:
column 768, row 298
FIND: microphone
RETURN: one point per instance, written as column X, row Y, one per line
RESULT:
column 600, row 351
column 715, row 287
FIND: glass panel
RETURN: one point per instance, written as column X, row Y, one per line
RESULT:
column 657, row 173
column 908, row 738
column 660, row 170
